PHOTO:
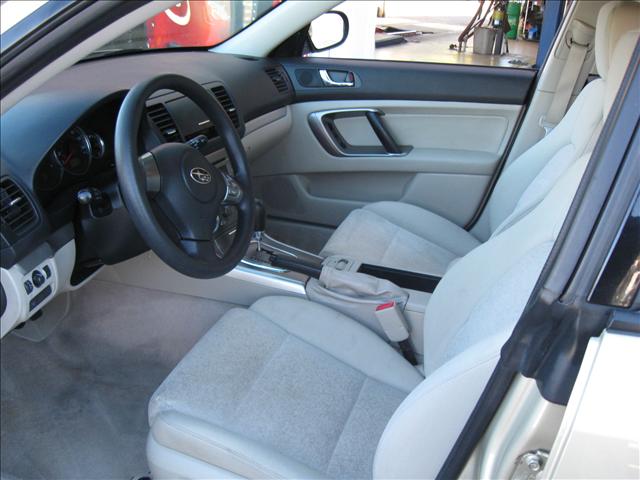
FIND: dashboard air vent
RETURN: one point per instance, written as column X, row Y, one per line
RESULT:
column 224, row 99
column 16, row 210
column 162, row 119
column 278, row 79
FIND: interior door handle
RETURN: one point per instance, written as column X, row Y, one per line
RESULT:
column 329, row 82
column 323, row 126
column 382, row 133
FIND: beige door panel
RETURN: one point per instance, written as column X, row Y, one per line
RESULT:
column 326, row 199
column 455, row 148
column 453, row 196
column 447, row 137
column 463, row 129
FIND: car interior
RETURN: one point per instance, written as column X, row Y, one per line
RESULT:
column 218, row 264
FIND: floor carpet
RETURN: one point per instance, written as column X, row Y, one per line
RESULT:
column 75, row 404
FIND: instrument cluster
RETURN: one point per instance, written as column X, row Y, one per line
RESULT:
column 72, row 155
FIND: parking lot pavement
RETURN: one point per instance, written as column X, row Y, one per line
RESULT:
column 439, row 34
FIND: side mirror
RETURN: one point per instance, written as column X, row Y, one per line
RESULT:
column 328, row 31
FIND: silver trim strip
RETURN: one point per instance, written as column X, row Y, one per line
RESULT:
column 151, row 172
column 261, row 266
column 266, row 279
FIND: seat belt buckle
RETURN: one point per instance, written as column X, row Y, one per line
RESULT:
column 395, row 327
column 547, row 126
column 392, row 321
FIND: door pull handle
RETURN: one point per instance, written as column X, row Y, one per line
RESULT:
column 329, row 82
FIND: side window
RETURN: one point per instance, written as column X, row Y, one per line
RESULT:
column 497, row 33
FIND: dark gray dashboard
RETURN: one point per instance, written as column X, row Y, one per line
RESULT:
column 31, row 127
column 85, row 91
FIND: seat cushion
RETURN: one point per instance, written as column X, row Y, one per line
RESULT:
column 402, row 236
column 286, row 388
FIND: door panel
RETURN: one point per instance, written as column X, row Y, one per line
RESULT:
column 326, row 199
column 430, row 125
column 341, row 154
column 450, row 181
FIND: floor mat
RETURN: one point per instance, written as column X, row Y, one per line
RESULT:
column 74, row 405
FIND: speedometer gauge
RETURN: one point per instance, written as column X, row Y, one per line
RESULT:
column 73, row 151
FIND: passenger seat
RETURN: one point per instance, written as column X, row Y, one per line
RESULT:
column 407, row 237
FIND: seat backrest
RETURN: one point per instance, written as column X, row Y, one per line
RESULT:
column 529, row 177
column 473, row 311
column 469, row 317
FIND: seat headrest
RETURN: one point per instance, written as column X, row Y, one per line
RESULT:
column 614, row 20
column 621, row 55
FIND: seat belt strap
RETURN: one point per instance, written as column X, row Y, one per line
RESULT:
column 581, row 37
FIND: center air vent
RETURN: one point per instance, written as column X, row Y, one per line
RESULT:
column 278, row 79
column 16, row 210
column 162, row 119
column 224, row 99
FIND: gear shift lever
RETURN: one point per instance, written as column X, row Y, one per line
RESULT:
column 271, row 255
column 259, row 222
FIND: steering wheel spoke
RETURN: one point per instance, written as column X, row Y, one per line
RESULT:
column 152, row 174
column 200, row 249
column 233, row 194
column 165, row 221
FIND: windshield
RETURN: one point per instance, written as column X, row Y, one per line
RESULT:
column 18, row 18
column 192, row 23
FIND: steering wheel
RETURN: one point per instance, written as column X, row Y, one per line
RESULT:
column 174, row 195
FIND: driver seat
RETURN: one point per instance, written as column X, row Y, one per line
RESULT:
column 293, row 389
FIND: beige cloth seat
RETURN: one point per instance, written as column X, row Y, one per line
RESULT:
column 285, row 388
column 292, row 389
column 407, row 237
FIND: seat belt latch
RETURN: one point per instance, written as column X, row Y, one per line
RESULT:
column 395, row 327
column 392, row 321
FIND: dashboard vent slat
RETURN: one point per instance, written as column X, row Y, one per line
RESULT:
column 223, row 97
column 278, row 79
column 16, row 210
column 162, row 119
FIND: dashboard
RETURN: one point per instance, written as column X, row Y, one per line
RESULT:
column 61, row 207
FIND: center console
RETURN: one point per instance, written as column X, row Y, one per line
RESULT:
column 360, row 291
